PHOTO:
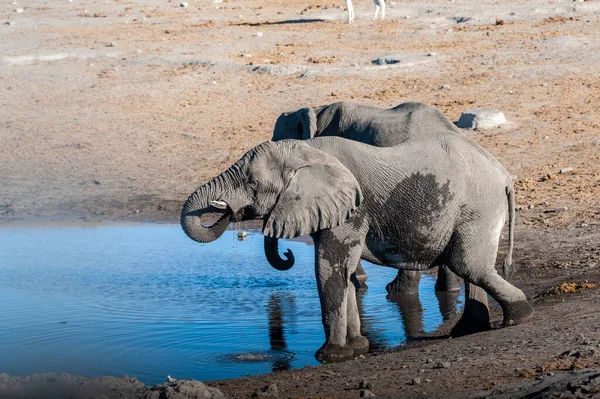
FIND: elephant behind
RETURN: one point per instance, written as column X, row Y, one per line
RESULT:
column 451, row 196
column 380, row 127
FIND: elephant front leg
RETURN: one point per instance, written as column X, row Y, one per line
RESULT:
column 336, row 261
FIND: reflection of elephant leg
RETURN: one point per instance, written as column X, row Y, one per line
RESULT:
column 411, row 312
column 406, row 282
column 361, row 277
column 476, row 315
column 447, row 281
column 447, row 303
column 276, row 338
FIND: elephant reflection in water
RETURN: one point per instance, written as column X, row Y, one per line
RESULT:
column 410, row 308
column 276, row 327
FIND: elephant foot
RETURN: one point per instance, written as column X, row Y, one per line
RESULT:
column 517, row 313
column 359, row 344
column 475, row 318
column 334, row 353
column 405, row 283
column 472, row 326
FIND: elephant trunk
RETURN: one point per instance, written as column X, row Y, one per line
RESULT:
column 272, row 254
column 199, row 203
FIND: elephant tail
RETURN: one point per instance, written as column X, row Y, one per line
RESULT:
column 508, row 262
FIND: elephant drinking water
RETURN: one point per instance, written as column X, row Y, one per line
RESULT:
column 452, row 196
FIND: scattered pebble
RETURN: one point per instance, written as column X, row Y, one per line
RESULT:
column 111, row 44
column 19, row 10
column 365, row 384
column 270, row 390
column 565, row 170
column 9, row 23
column 183, row 4
column 431, row 54
column 171, row 379
column 259, row 34
column 246, row 55
column 365, row 393
column 429, row 361
column 443, row 365
column 545, row 137
column 481, row 118
column 416, row 381
column 446, row 87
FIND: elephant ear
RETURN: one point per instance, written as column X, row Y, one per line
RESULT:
column 308, row 120
column 321, row 193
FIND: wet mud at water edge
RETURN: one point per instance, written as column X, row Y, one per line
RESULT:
column 143, row 300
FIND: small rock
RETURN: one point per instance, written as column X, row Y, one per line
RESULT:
column 259, row 34
column 443, row 365
column 183, row 4
column 111, row 44
column 565, row 170
column 246, row 55
column 388, row 60
column 171, row 379
column 429, row 361
column 416, row 381
column 365, row 393
column 270, row 391
column 446, row 87
column 430, row 54
column 242, row 235
column 545, row 137
column 561, row 209
column 421, row 370
column 9, row 23
column 19, row 10
column 365, row 384
column 481, row 118
column 531, row 206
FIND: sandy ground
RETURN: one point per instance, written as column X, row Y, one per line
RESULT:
column 117, row 110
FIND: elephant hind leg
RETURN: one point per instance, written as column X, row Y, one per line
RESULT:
column 476, row 314
column 472, row 257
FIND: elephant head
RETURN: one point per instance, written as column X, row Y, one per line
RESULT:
column 295, row 188
column 300, row 125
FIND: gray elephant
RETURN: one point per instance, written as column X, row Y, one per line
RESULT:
column 451, row 195
column 371, row 125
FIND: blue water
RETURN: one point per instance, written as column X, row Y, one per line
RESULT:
column 146, row 301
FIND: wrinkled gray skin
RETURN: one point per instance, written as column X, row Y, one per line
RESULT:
column 371, row 125
column 452, row 195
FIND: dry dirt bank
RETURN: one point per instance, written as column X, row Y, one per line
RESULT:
column 118, row 109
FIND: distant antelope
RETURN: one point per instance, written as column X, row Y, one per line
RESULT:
column 379, row 4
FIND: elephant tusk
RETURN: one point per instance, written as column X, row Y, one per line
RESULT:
column 219, row 204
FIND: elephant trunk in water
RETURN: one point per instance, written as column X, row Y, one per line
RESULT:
column 272, row 254
column 200, row 202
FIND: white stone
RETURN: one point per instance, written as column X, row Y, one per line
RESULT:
column 481, row 118
column 183, row 4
